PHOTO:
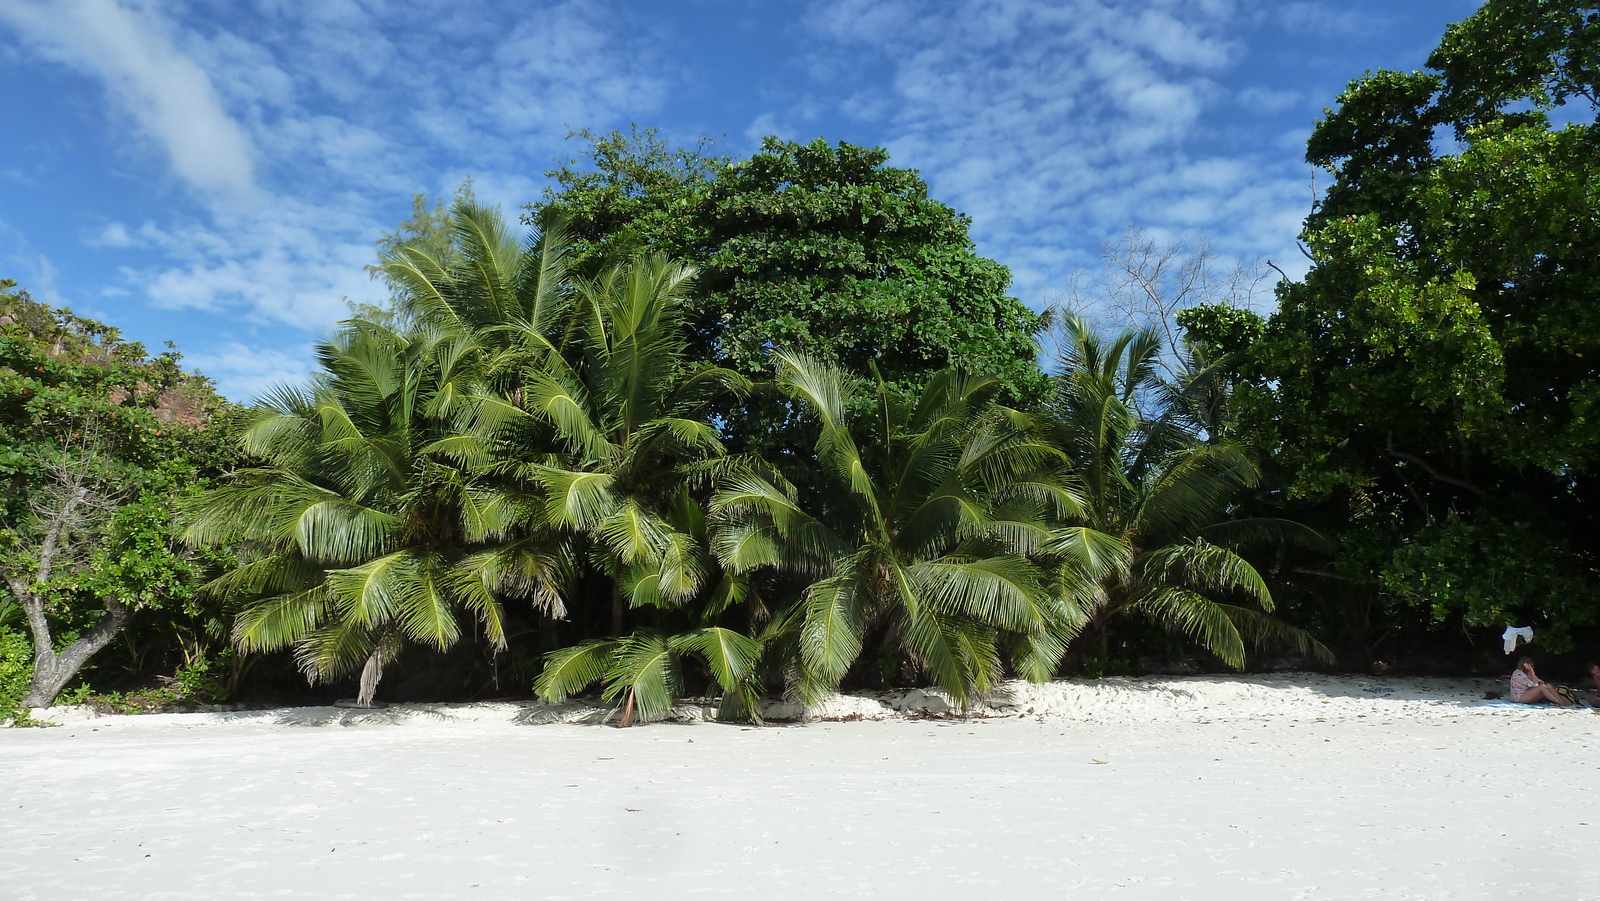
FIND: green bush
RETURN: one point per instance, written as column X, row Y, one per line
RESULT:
column 16, row 669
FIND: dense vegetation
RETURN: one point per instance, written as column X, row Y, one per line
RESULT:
column 1429, row 392
column 746, row 428
column 99, row 444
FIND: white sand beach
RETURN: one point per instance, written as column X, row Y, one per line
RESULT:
column 1254, row 787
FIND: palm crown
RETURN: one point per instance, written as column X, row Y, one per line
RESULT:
column 922, row 546
column 367, row 523
column 1153, row 539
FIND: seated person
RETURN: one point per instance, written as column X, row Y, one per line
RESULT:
column 1528, row 688
column 1594, row 673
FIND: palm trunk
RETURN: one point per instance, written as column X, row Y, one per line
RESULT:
column 384, row 652
column 619, row 609
column 627, row 712
column 371, row 674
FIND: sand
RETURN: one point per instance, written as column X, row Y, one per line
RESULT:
column 1273, row 787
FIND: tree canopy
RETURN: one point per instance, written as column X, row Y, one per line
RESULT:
column 1435, row 377
column 98, row 441
column 813, row 248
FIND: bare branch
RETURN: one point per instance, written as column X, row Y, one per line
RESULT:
column 1433, row 473
column 56, row 527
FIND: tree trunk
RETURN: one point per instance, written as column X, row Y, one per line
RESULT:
column 371, row 674
column 627, row 712
column 52, row 670
column 384, row 652
column 619, row 608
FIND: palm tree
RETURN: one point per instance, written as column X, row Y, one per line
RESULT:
column 600, row 366
column 372, row 520
column 616, row 439
column 1154, row 539
column 629, row 422
column 512, row 293
column 921, row 548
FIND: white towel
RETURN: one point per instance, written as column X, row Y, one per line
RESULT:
column 1515, row 632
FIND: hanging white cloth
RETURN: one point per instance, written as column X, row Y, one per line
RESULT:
column 1513, row 633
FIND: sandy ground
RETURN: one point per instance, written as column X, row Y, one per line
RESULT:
column 1281, row 787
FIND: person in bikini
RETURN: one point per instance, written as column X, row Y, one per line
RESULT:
column 1528, row 688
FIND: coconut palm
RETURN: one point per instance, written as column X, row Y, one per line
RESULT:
column 921, row 549
column 1155, row 539
column 511, row 292
column 600, row 366
column 373, row 519
column 628, row 421
column 643, row 672
column 617, row 436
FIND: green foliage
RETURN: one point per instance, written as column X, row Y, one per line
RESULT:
column 1154, row 538
column 814, row 248
column 632, row 194
column 1221, row 330
column 918, row 548
column 366, row 524
column 16, row 669
column 200, row 681
column 644, row 671
column 827, row 251
column 1489, row 572
column 98, row 440
column 1436, row 371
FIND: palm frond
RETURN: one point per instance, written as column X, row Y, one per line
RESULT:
column 570, row 670
column 645, row 667
column 1194, row 617
column 1203, row 567
column 1263, row 630
column 1002, row 591
column 275, row 622
column 830, row 635
column 577, row 500
column 731, row 655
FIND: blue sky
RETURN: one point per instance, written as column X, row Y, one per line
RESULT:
column 214, row 172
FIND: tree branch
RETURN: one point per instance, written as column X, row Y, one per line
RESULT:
column 116, row 617
column 1320, row 572
column 1435, row 474
column 33, row 608
column 58, row 523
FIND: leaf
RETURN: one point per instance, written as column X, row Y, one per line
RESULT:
column 570, row 670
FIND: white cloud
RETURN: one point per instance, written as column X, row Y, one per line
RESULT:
column 244, row 373
column 171, row 98
column 1261, row 100
column 326, row 118
column 1055, row 123
column 761, row 127
column 1323, row 19
column 21, row 262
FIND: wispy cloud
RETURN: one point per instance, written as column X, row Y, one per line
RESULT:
column 297, row 132
column 132, row 52
column 246, row 373
column 305, row 128
column 1055, row 123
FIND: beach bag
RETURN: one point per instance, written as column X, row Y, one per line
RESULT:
column 1567, row 694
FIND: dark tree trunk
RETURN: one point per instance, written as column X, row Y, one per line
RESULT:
column 52, row 670
column 619, row 609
